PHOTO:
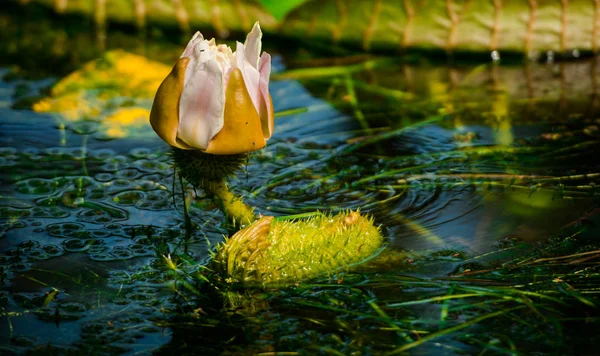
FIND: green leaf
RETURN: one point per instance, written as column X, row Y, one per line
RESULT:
column 280, row 8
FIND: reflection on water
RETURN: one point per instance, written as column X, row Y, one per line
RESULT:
column 444, row 157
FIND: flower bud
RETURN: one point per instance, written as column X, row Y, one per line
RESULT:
column 216, row 100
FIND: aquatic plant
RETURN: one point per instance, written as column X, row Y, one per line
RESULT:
column 281, row 251
column 213, row 107
column 490, row 28
column 216, row 100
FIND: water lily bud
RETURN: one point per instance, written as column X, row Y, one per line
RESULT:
column 216, row 100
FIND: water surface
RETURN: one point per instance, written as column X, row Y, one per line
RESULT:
column 453, row 160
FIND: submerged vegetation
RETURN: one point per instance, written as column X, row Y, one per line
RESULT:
column 477, row 185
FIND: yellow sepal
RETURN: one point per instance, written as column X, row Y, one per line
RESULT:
column 242, row 129
column 269, row 123
column 164, row 116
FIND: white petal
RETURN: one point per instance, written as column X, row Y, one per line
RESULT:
column 253, row 45
column 202, row 104
column 192, row 44
column 265, row 72
column 265, row 68
column 201, row 52
column 250, row 74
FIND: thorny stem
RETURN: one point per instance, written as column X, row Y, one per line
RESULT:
column 186, row 215
column 237, row 212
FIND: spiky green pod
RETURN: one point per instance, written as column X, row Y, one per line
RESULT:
column 279, row 252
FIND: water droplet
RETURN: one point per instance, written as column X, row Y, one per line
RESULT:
column 495, row 56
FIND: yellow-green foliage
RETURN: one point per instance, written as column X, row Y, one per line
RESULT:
column 98, row 90
column 275, row 252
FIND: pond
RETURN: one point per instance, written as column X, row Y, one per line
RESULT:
column 480, row 175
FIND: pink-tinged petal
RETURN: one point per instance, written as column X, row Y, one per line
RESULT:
column 201, row 105
column 265, row 112
column 250, row 74
column 253, row 45
column 189, row 49
column 265, row 68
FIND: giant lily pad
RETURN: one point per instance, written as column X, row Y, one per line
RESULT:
column 114, row 91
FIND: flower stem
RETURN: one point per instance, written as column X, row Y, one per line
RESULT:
column 186, row 215
column 237, row 212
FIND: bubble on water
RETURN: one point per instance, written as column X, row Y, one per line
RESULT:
column 121, row 183
column 37, row 254
column 155, row 200
column 75, row 245
column 28, row 244
column 104, row 177
column 64, row 229
column 97, row 248
column 113, row 227
column 140, row 152
column 159, row 179
column 114, row 166
column 150, row 184
column 14, row 224
column 148, row 165
column 102, row 214
column 128, row 173
column 141, row 250
column 52, row 250
column 60, row 182
column 36, row 186
column 159, row 157
column 102, row 257
column 102, row 154
column 128, row 198
column 84, row 127
column 81, row 181
column 54, row 151
column 8, row 212
column 121, row 253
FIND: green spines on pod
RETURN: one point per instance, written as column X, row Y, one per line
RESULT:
column 279, row 252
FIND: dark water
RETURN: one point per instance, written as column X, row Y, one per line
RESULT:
column 467, row 158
